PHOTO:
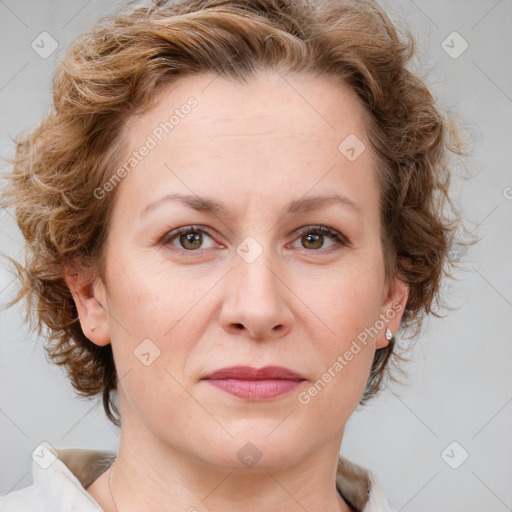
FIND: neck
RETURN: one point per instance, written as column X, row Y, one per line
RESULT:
column 149, row 477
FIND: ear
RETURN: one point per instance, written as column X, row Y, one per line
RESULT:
column 89, row 295
column 392, row 309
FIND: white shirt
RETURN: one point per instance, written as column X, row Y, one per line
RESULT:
column 60, row 477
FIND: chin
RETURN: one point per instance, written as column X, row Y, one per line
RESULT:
column 255, row 445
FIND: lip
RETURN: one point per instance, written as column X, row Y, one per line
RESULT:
column 250, row 373
column 253, row 383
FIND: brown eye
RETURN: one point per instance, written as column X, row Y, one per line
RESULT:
column 191, row 241
column 188, row 239
column 313, row 238
column 310, row 241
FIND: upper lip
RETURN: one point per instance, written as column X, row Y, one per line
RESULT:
column 250, row 373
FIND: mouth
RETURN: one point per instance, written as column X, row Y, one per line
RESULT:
column 255, row 384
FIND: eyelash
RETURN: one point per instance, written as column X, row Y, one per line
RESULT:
column 339, row 239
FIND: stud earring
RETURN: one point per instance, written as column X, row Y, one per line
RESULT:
column 389, row 334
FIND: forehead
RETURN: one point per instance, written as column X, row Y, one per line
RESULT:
column 275, row 135
column 319, row 106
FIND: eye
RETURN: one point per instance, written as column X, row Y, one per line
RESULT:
column 191, row 239
column 188, row 238
column 313, row 238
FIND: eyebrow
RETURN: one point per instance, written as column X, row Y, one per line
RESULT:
column 208, row 205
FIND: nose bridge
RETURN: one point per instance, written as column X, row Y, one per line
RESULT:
column 257, row 297
column 258, row 278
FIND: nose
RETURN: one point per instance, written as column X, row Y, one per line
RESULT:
column 256, row 302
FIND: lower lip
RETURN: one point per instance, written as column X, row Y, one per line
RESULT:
column 256, row 389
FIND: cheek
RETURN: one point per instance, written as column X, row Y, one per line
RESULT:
column 154, row 317
column 154, row 394
column 152, row 295
column 346, row 298
column 340, row 379
column 347, row 303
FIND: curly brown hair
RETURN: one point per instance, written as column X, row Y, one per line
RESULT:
column 117, row 70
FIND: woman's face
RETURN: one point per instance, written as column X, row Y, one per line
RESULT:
column 253, row 283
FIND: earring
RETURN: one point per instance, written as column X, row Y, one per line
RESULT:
column 389, row 334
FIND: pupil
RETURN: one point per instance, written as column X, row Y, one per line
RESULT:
column 192, row 238
column 315, row 239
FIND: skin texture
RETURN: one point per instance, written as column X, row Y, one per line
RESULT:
column 300, row 304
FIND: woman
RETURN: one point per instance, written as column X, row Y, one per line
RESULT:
column 230, row 211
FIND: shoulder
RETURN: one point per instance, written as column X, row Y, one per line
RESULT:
column 27, row 499
column 360, row 487
column 59, row 481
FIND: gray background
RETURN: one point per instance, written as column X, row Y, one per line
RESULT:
column 460, row 384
